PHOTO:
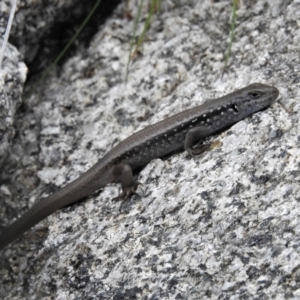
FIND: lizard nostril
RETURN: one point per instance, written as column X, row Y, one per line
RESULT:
column 275, row 91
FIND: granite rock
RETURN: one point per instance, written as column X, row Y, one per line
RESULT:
column 224, row 225
column 12, row 77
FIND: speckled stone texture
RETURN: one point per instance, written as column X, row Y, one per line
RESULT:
column 42, row 27
column 12, row 78
column 224, row 225
column 32, row 20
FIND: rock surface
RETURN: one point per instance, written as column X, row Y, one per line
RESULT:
column 41, row 27
column 224, row 225
column 12, row 77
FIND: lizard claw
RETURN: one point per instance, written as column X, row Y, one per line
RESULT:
column 196, row 151
column 127, row 192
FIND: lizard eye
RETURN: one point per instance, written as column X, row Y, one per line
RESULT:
column 254, row 94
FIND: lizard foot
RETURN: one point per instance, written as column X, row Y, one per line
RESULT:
column 127, row 192
column 198, row 150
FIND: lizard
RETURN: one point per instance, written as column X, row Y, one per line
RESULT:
column 183, row 130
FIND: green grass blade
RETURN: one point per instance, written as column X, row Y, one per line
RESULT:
column 155, row 6
column 136, row 21
column 233, row 22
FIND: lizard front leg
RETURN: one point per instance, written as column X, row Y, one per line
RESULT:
column 193, row 136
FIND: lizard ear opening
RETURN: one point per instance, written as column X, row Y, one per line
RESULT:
column 236, row 108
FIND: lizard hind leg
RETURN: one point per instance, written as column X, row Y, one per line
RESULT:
column 124, row 173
